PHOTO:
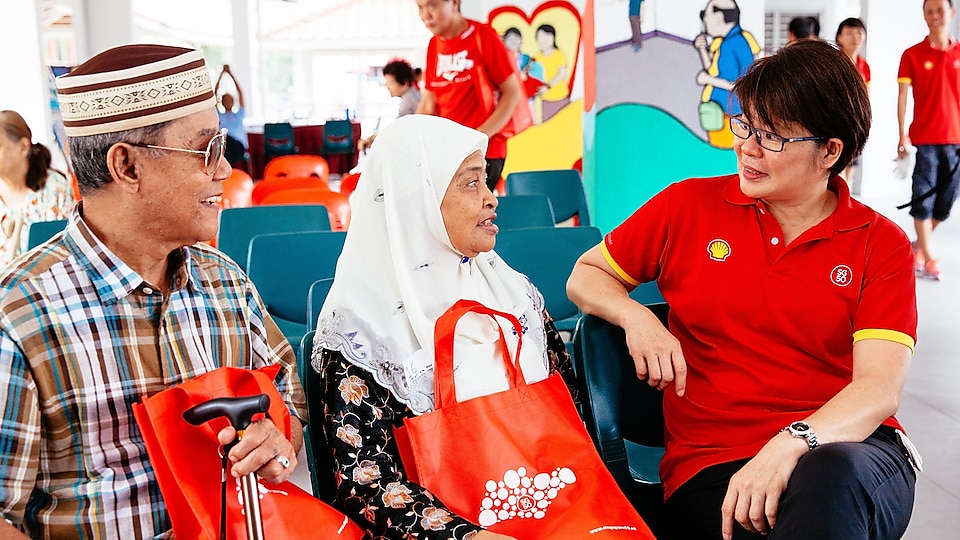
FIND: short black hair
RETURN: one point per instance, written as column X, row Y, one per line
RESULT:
column 401, row 70
column 829, row 101
column 851, row 22
column 804, row 27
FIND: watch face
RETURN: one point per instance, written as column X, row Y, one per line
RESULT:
column 800, row 427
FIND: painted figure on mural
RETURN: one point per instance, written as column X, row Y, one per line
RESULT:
column 636, row 19
column 556, row 91
column 726, row 51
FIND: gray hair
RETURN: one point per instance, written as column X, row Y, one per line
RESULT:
column 88, row 154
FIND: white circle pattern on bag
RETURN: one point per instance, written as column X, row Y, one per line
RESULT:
column 520, row 496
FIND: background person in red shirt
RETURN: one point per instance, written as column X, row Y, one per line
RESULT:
column 459, row 48
column 931, row 69
column 792, row 322
column 850, row 37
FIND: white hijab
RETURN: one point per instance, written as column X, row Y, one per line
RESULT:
column 399, row 272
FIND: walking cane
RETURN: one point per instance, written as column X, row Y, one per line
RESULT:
column 240, row 411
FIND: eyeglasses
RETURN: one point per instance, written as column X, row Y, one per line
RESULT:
column 211, row 156
column 766, row 139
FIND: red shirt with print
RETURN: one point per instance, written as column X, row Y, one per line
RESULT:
column 451, row 75
column 767, row 330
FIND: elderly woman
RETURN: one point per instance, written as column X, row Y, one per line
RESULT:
column 420, row 239
column 792, row 324
column 29, row 190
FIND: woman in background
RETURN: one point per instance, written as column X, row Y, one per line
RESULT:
column 30, row 190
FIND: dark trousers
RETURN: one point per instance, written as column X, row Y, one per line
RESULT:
column 494, row 168
column 842, row 491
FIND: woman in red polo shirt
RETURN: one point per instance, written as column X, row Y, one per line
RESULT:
column 458, row 50
column 792, row 323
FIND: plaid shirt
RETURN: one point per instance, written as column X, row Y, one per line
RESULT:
column 83, row 338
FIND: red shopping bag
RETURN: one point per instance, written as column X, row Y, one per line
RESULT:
column 518, row 462
column 187, row 464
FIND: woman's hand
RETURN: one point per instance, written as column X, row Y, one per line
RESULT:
column 488, row 535
column 656, row 353
column 753, row 494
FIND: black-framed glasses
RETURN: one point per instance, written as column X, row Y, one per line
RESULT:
column 211, row 156
column 767, row 140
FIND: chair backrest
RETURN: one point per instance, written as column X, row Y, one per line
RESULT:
column 270, row 186
column 564, row 187
column 239, row 225
column 298, row 166
column 524, row 211
column 338, row 137
column 319, row 455
column 284, row 266
column 278, row 140
column 337, row 204
column 41, row 231
column 617, row 406
column 237, row 190
column 547, row 255
column 316, row 296
column 348, row 183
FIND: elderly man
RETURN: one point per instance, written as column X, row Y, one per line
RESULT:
column 126, row 303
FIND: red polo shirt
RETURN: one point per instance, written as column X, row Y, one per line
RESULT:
column 451, row 75
column 767, row 330
column 935, row 78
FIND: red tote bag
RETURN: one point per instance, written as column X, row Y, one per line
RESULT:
column 517, row 462
column 187, row 464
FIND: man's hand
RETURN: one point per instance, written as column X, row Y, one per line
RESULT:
column 263, row 450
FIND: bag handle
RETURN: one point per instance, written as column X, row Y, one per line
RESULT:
column 445, row 392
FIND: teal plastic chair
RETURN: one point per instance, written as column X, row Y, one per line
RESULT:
column 563, row 187
column 239, row 225
column 338, row 137
column 315, row 299
column 524, row 211
column 547, row 255
column 623, row 414
column 284, row 266
column 41, row 231
column 319, row 455
column 278, row 140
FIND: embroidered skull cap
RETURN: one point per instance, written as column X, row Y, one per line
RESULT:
column 133, row 86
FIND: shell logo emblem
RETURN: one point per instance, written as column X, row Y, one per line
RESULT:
column 841, row 275
column 718, row 249
column 928, row 65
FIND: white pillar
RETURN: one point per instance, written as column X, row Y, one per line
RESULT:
column 243, row 65
column 101, row 24
column 27, row 87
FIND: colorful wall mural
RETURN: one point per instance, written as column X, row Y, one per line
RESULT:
column 662, row 110
column 546, row 38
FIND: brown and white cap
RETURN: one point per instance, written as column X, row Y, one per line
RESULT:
column 133, row 86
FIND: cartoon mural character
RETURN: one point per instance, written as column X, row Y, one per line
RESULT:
column 556, row 94
column 636, row 19
column 724, row 59
column 531, row 72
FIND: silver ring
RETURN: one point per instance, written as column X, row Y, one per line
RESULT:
column 283, row 461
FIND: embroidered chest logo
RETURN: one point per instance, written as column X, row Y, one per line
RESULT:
column 519, row 496
column 451, row 65
column 718, row 249
column 841, row 275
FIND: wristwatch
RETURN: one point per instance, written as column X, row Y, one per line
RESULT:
column 802, row 430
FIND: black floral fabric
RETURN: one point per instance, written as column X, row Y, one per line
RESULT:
column 372, row 489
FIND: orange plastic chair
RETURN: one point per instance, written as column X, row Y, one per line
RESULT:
column 237, row 190
column 338, row 205
column 348, row 184
column 297, row 166
column 266, row 187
